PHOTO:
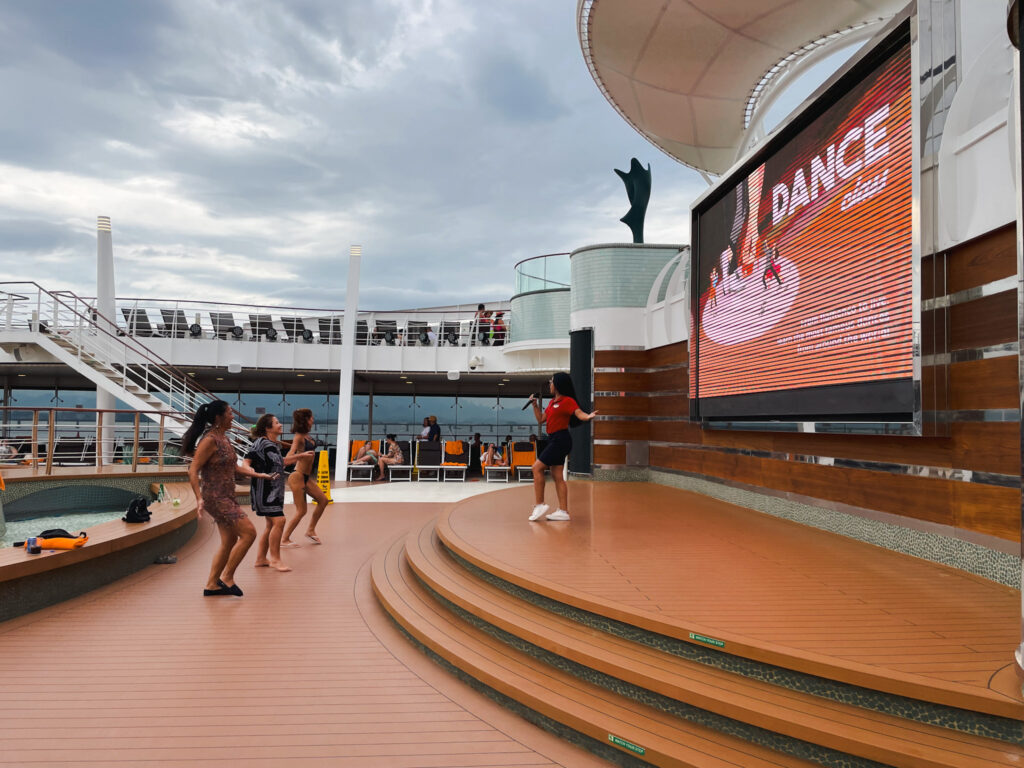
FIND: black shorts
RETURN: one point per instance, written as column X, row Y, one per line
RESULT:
column 277, row 513
column 557, row 449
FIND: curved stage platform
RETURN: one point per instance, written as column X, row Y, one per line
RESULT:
column 686, row 631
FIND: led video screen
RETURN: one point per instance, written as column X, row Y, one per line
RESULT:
column 803, row 291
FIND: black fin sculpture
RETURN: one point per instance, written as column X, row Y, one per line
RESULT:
column 638, row 189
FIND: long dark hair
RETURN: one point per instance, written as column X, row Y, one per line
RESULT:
column 206, row 416
column 564, row 387
column 259, row 429
column 302, row 420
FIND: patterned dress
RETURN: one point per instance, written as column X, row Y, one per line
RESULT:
column 217, row 482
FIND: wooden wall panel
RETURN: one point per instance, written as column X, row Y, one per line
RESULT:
column 621, row 430
column 983, row 322
column 985, row 259
column 917, row 497
column 987, row 446
column 677, row 406
column 988, row 383
column 674, row 379
column 609, row 454
column 620, row 382
column 987, row 509
column 620, row 358
column 676, row 432
column 622, row 406
column 670, row 354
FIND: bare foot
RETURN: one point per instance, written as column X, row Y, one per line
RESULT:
column 314, row 538
column 261, row 564
column 279, row 566
column 289, row 545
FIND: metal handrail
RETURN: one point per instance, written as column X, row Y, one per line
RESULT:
column 89, row 333
column 98, row 448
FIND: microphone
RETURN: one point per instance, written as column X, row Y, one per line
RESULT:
column 529, row 403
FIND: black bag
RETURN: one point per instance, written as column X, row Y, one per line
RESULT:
column 59, row 533
column 138, row 511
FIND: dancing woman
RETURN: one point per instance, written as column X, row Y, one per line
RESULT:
column 562, row 412
column 301, row 482
column 268, row 495
column 212, row 477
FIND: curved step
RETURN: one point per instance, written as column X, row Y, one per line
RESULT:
column 830, row 724
column 585, row 708
column 877, row 678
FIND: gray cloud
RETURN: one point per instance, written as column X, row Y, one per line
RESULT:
column 246, row 145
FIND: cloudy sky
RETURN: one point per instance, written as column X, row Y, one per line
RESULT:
column 240, row 147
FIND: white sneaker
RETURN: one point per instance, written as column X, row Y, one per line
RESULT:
column 538, row 512
column 559, row 514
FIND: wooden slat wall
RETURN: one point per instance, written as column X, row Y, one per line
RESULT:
column 980, row 446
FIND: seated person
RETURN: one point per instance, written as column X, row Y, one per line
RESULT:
column 393, row 455
column 493, row 457
column 366, row 454
column 7, row 451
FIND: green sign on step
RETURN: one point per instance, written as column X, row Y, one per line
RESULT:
column 707, row 640
column 626, row 744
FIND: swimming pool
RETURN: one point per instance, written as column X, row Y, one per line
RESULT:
column 72, row 522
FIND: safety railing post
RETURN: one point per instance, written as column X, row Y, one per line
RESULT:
column 160, row 443
column 35, row 440
column 135, row 444
column 50, row 441
column 99, row 438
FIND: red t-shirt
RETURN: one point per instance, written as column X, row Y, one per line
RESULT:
column 558, row 413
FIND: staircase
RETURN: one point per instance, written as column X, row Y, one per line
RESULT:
column 71, row 331
column 638, row 697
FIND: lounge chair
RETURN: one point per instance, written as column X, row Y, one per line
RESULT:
column 523, row 456
column 455, row 461
column 138, row 322
column 417, row 332
column 262, row 326
column 497, row 473
column 451, row 333
column 402, row 472
column 224, row 326
column 357, row 471
column 386, row 331
column 330, row 330
column 428, row 460
column 175, row 325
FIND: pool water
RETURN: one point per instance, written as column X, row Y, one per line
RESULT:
column 72, row 522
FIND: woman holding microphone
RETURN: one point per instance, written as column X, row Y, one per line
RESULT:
column 562, row 412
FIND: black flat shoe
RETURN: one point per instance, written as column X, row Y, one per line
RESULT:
column 218, row 591
column 235, row 590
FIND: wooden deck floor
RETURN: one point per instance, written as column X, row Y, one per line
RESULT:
column 679, row 562
column 305, row 669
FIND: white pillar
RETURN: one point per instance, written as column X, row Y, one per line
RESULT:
column 105, row 322
column 348, row 356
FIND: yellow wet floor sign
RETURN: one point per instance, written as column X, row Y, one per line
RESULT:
column 323, row 474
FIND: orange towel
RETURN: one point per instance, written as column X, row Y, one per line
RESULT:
column 60, row 543
column 453, row 448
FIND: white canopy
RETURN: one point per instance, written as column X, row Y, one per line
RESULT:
column 682, row 71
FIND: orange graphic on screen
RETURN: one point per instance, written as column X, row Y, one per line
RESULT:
column 805, row 267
